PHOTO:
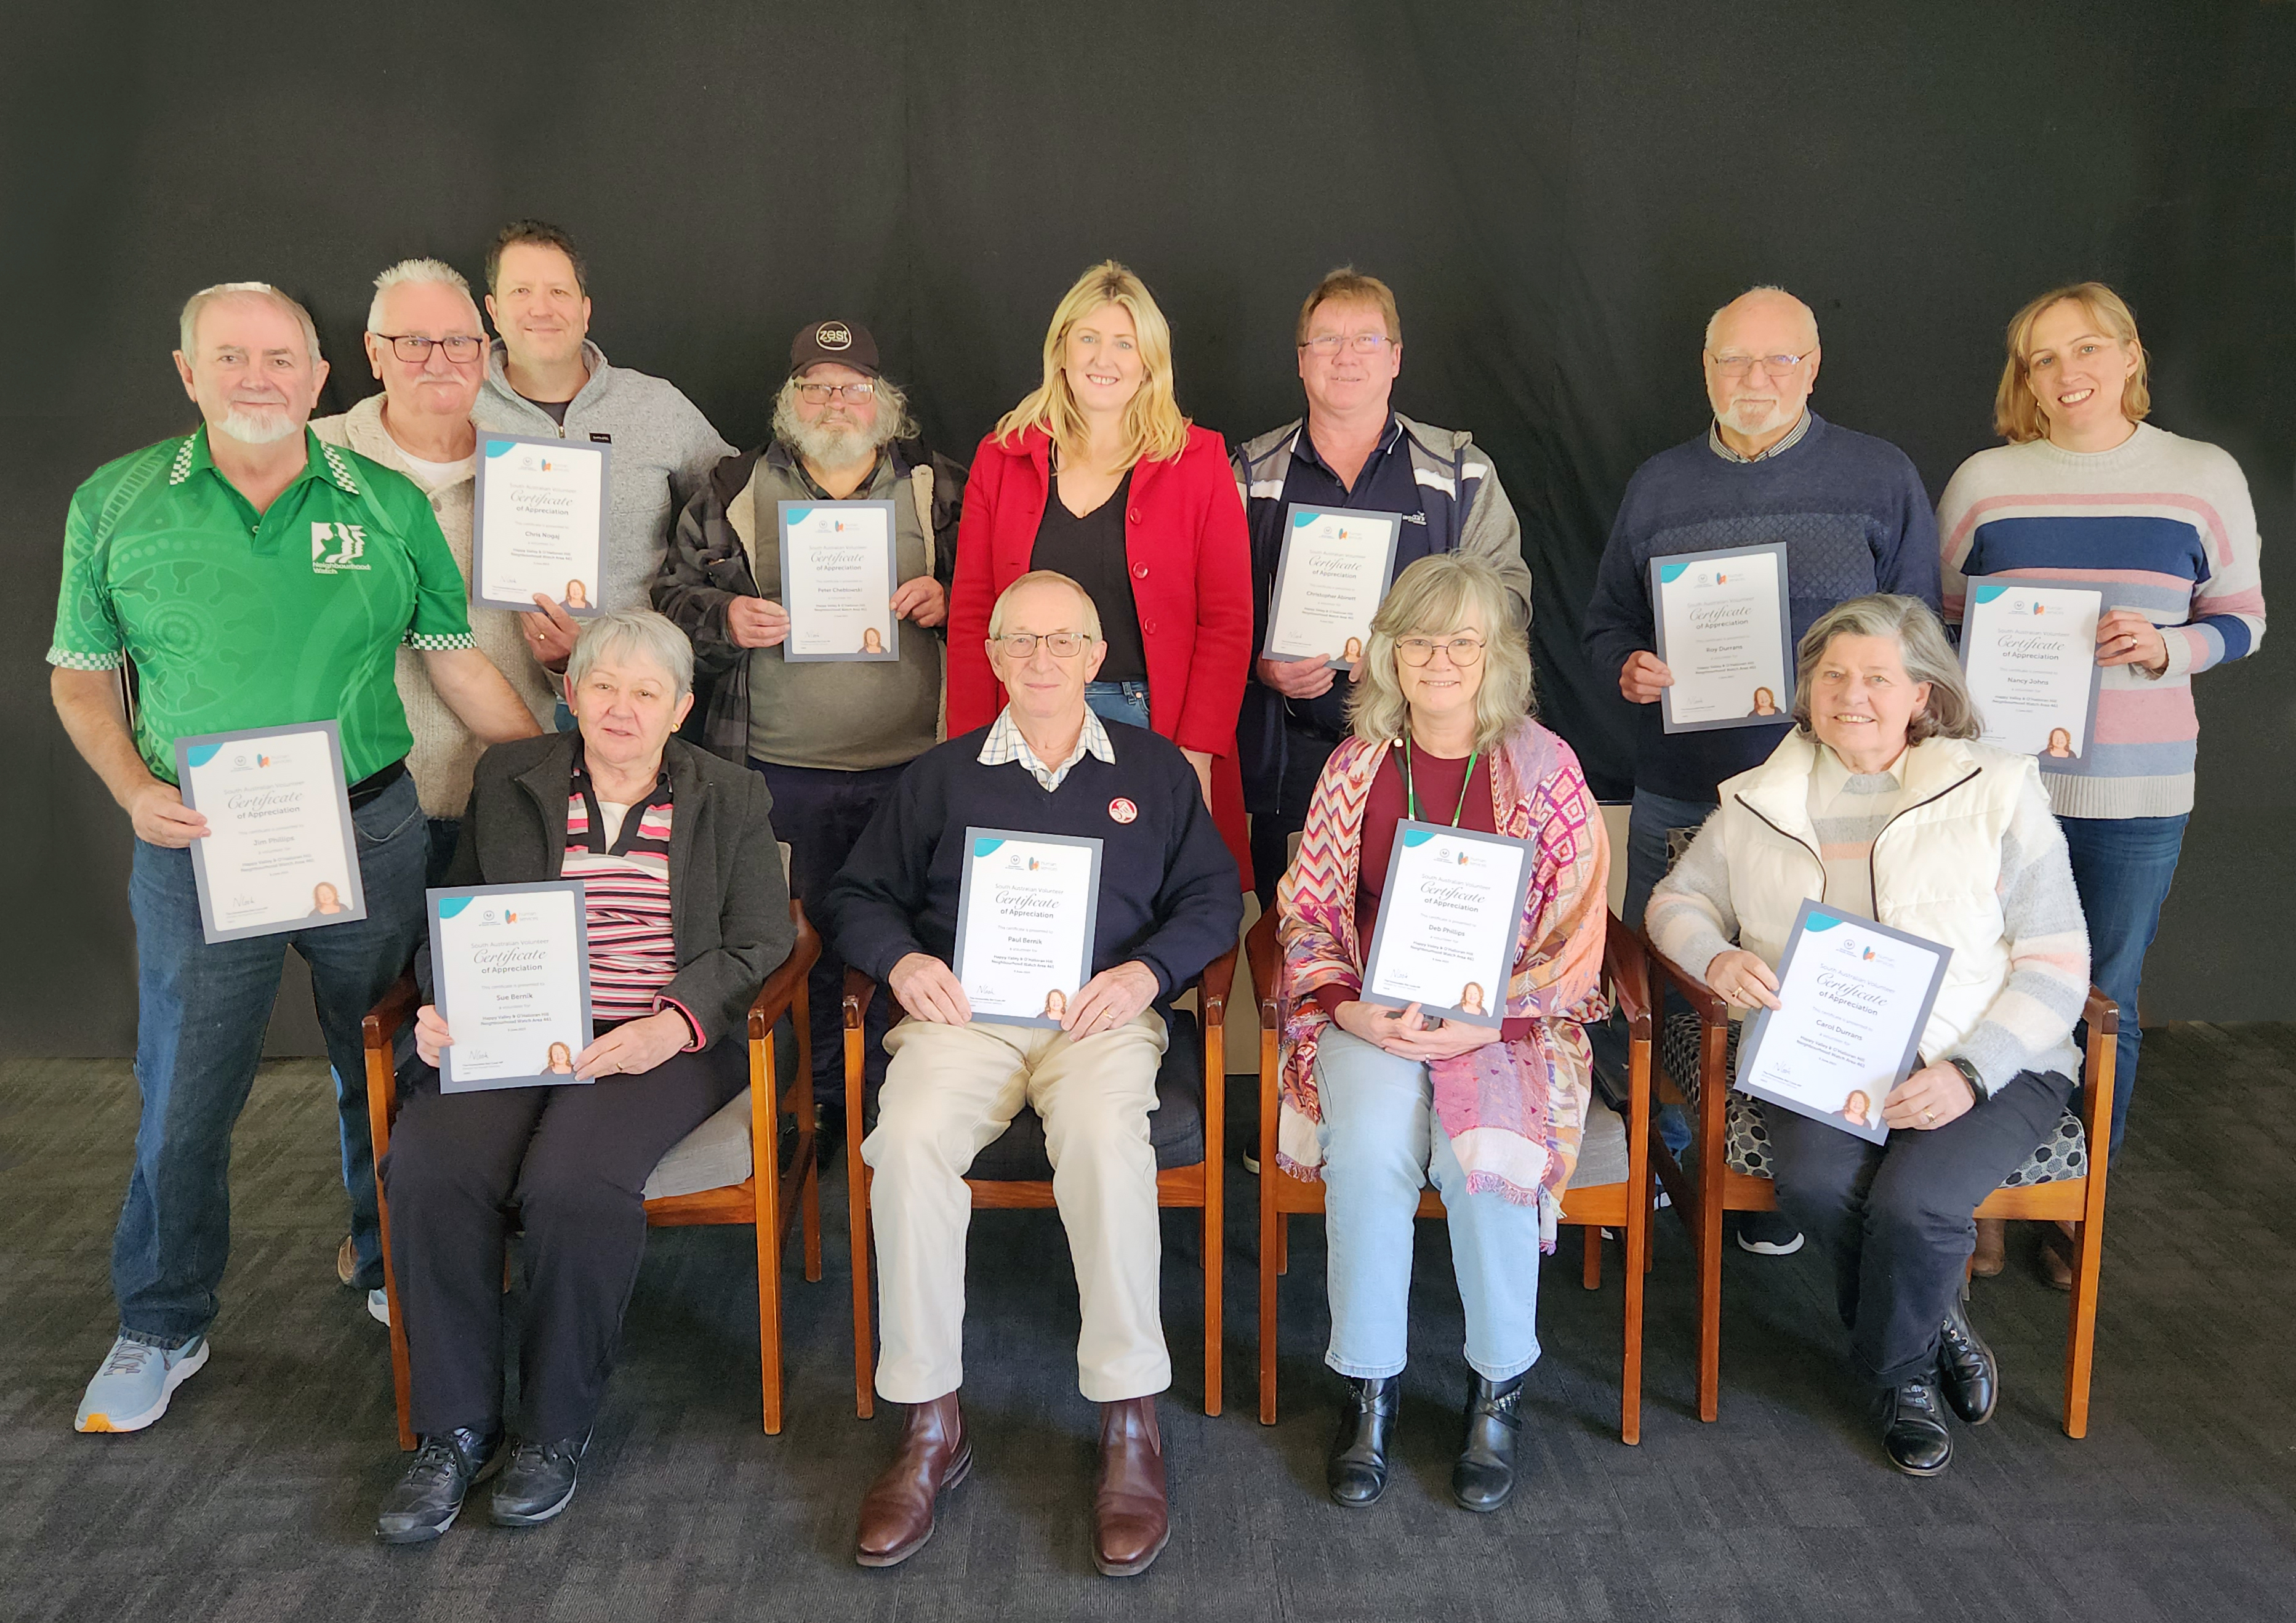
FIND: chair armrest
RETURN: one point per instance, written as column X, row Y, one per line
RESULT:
column 1216, row 983
column 1624, row 961
column 1267, row 970
column 392, row 1010
column 1712, row 1009
column 2098, row 1070
column 859, row 989
column 780, row 991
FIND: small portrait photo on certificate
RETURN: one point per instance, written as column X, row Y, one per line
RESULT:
column 2029, row 651
column 1027, row 908
column 1448, row 921
column 1330, row 581
column 538, row 523
column 280, row 852
column 511, row 965
column 1724, row 634
column 839, row 575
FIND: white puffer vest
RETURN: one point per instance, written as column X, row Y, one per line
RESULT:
column 1936, row 865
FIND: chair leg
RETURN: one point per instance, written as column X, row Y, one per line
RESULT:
column 382, row 1088
column 809, row 1206
column 1590, row 1272
column 2080, row 1334
column 1214, row 1283
column 1283, row 1242
column 1634, row 1271
column 765, row 1177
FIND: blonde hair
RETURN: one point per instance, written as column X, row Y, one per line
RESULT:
column 1154, row 426
column 1440, row 593
column 1348, row 285
column 1045, row 577
column 2016, row 414
column 1921, row 643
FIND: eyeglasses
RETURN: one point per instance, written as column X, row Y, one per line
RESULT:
column 460, row 347
column 1419, row 650
column 1738, row 366
column 821, row 394
column 1022, row 645
column 1328, row 344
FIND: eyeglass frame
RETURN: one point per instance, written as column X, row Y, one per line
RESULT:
column 1449, row 645
column 865, row 390
column 1362, row 344
column 1739, row 366
column 423, row 360
column 1004, row 640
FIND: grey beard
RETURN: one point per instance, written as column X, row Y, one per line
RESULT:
column 261, row 427
column 830, row 445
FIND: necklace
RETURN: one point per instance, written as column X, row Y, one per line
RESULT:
column 1411, row 793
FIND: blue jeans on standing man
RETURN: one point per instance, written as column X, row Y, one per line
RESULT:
column 202, row 1010
column 2123, row 867
column 1125, row 702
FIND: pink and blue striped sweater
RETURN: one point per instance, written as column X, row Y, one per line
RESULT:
column 2165, row 525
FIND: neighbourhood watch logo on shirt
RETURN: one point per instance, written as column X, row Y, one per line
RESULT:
column 335, row 547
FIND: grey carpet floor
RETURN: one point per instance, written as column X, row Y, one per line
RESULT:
column 253, row 1498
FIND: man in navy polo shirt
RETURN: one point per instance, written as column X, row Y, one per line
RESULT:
column 1351, row 450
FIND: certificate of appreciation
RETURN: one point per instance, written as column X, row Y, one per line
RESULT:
column 1025, row 912
column 1853, row 998
column 1329, row 583
column 2031, row 655
column 279, row 853
column 1448, row 923
column 539, row 522
column 513, row 966
column 837, row 581
column 1723, row 631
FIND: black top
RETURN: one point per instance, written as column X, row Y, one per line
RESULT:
column 556, row 409
column 1090, row 552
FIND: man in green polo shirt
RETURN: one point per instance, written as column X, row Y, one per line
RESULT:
column 255, row 577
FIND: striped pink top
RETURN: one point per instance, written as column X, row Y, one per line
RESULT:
column 625, row 875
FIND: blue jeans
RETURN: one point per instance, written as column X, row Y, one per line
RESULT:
column 1125, row 702
column 1382, row 1142
column 2123, row 867
column 202, row 1010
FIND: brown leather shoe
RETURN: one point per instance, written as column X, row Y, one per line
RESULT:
column 347, row 1261
column 897, row 1513
column 1131, row 1520
column 1992, row 1246
column 2057, row 1255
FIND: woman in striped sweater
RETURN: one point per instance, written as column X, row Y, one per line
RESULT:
column 2087, row 491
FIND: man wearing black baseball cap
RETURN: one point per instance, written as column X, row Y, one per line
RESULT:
column 831, row 738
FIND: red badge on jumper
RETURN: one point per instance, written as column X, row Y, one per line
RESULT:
column 1122, row 809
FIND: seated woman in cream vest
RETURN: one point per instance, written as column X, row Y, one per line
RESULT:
column 1880, row 803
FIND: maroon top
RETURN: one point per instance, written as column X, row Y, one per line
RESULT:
column 1441, row 787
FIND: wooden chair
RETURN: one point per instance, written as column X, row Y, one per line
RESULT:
column 1614, row 1153
column 1187, row 1129
column 723, row 1172
column 2060, row 1180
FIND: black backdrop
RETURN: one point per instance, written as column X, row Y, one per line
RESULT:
column 1558, row 191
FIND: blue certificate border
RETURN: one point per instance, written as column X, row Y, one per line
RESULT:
column 1984, row 589
column 605, row 453
column 354, row 905
column 1665, row 569
column 1494, row 1015
column 963, row 912
column 1294, row 516
column 1758, row 1025
column 892, row 580
column 432, row 899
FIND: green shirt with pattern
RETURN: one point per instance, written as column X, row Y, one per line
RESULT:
column 236, row 619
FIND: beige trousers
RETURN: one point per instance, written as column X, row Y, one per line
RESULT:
column 949, row 1091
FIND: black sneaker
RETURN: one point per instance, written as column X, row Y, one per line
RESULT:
column 1767, row 1234
column 537, row 1483
column 1251, row 1154
column 428, row 1495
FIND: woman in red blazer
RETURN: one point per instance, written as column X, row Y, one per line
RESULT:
column 1096, row 474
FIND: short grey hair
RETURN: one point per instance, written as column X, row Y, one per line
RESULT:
column 433, row 272
column 640, row 631
column 1045, row 577
column 1921, row 642
column 1763, row 287
column 188, row 326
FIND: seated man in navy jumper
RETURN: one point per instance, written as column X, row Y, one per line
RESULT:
column 1169, row 904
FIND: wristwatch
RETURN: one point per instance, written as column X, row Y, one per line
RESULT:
column 1969, row 1075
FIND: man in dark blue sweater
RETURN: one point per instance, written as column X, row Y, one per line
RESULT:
column 1169, row 904
column 1855, row 519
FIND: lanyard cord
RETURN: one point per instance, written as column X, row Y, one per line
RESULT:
column 1411, row 793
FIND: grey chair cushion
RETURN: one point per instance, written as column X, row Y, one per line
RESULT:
column 1602, row 1151
column 1176, row 1128
column 712, row 1156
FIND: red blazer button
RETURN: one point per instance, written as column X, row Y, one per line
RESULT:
column 1148, row 626
column 1140, row 571
column 1133, row 515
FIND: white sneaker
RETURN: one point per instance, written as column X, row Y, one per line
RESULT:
column 378, row 1306
column 132, row 1387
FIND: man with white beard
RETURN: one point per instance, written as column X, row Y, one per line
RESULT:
column 831, row 738
column 256, row 577
column 1854, row 518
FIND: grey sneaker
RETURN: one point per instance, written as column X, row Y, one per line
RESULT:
column 378, row 1306
column 132, row 1388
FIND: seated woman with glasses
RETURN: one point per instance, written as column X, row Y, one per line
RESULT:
column 1378, row 1101
column 1097, row 476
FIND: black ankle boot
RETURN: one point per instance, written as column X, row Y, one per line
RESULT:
column 1966, row 1368
column 430, row 1495
column 1357, row 1470
column 1485, row 1474
column 1913, row 1428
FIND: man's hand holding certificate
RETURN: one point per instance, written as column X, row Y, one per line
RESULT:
column 513, row 966
column 1025, row 916
column 1449, row 919
column 279, row 853
column 1722, row 632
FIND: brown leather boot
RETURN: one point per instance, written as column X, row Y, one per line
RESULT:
column 897, row 1513
column 1131, row 1518
column 2057, row 1255
column 1992, row 1246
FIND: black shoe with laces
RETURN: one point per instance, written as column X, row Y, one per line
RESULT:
column 428, row 1495
column 1966, row 1367
column 1484, row 1475
column 1357, row 1471
column 537, row 1483
column 1913, row 1428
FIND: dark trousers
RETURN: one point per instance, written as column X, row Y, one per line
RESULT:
column 821, row 812
column 1304, row 755
column 568, row 1162
column 1896, row 1219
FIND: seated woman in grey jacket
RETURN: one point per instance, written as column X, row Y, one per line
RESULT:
column 687, row 914
column 1880, row 803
